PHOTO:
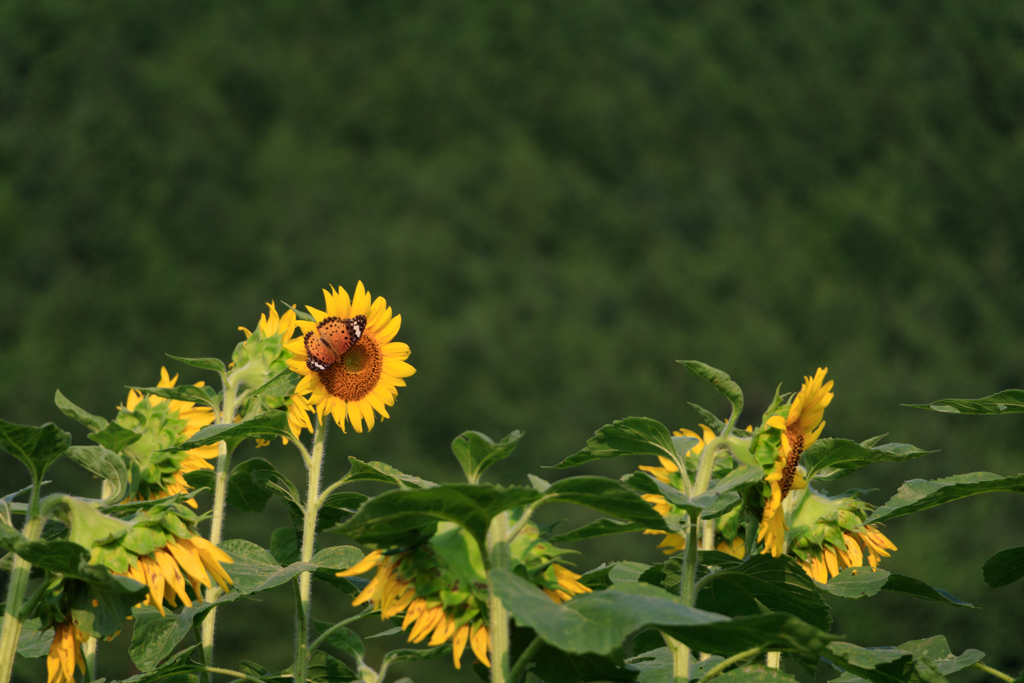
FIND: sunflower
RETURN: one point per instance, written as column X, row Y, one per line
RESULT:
column 668, row 473
column 262, row 357
column 828, row 559
column 165, row 570
column 442, row 588
column 799, row 430
column 165, row 423
column 65, row 653
column 365, row 380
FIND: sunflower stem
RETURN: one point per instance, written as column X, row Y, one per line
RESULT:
column 497, row 550
column 16, row 590
column 519, row 670
column 308, row 539
column 90, row 645
column 220, row 494
column 993, row 672
column 726, row 663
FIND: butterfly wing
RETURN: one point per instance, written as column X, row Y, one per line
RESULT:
column 333, row 337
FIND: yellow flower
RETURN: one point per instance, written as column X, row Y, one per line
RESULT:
column 184, row 419
column 800, row 429
column 65, row 653
column 735, row 547
column 827, row 560
column 365, row 380
column 271, row 323
column 428, row 616
column 165, row 570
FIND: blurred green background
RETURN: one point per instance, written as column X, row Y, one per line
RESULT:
column 560, row 199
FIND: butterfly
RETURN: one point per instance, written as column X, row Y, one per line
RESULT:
column 331, row 339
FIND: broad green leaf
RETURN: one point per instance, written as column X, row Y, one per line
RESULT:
column 937, row 651
column 778, row 583
column 115, row 437
column 175, row 669
column 330, row 561
column 105, row 464
column 268, row 425
column 94, row 422
column 599, row 622
column 476, row 452
column 754, row 673
column 338, row 507
column 551, row 664
column 273, row 482
column 711, row 500
column 380, row 471
column 399, row 517
column 708, row 418
column 323, row 668
column 410, row 655
column 285, row 546
column 1005, row 402
column 721, row 381
column 599, row 527
column 33, row 642
column 243, row 493
column 918, row 494
column 154, row 639
column 36, row 447
column 856, row 583
column 256, row 570
column 282, row 384
column 919, row 589
column 214, row 364
column 1004, row 567
column 831, row 459
column 206, row 396
column 629, row 436
column 608, row 496
column 882, row 665
column 343, row 638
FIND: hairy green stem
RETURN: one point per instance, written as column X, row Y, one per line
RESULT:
column 90, row 645
column 726, row 663
column 231, row 672
column 498, row 552
column 308, row 540
column 993, row 672
column 16, row 590
column 519, row 670
column 220, row 494
column 345, row 622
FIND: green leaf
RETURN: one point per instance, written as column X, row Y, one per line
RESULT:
column 115, row 437
column 267, row 425
column 343, row 638
column 156, row 637
column 34, row 641
column 380, row 471
column 36, row 447
column 338, row 507
column 778, row 583
column 831, row 459
column 753, row 673
column 324, row 668
column 882, row 665
column 214, row 364
column 410, row 655
column 273, row 482
column 401, row 517
column 708, row 418
column 281, row 385
column 244, row 494
column 629, row 436
column 1005, row 402
column 600, row 527
column 856, row 583
column 721, row 381
column 919, row 589
column 95, row 423
column 175, row 669
column 608, row 496
column 917, row 494
column 937, row 651
column 716, row 500
column 256, row 570
column 206, row 396
column 1004, row 567
column 285, row 546
column 476, row 452
column 105, row 464
column 599, row 622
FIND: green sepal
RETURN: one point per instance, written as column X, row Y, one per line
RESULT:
column 720, row 380
column 106, row 464
column 36, row 447
column 95, row 423
column 708, row 418
column 115, row 437
column 477, row 452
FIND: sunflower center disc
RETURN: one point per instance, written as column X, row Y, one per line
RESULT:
column 357, row 373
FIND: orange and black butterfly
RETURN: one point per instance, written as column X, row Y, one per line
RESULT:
column 331, row 339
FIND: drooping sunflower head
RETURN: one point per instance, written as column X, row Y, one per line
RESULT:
column 164, row 423
column 441, row 586
column 356, row 380
column 829, row 535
